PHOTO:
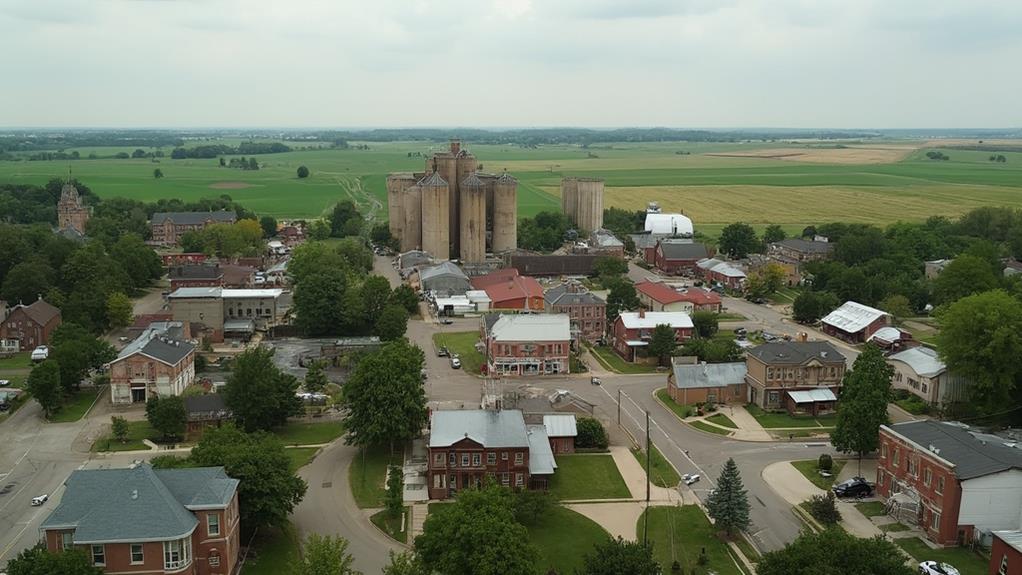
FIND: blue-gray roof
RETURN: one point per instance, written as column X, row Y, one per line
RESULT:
column 442, row 269
column 973, row 454
column 497, row 429
column 138, row 503
column 541, row 458
column 700, row 375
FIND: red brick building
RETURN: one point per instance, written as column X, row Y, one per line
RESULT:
column 561, row 429
column 948, row 480
column 587, row 312
column 168, row 227
column 149, row 521
column 854, row 322
column 195, row 275
column 719, row 272
column 677, row 256
column 30, row 325
column 507, row 289
column 465, row 447
column 181, row 259
column 634, row 330
column 1006, row 553
column 530, row 344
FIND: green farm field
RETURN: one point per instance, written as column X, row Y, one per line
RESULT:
column 714, row 183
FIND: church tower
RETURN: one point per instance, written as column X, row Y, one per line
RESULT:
column 71, row 214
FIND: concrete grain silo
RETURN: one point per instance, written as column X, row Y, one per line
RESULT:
column 505, row 213
column 589, row 207
column 396, row 185
column 411, row 203
column 436, row 231
column 569, row 197
column 488, row 180
column 473, row 220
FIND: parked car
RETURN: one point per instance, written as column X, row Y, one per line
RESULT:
column 40, row 353
column 935, row 568
column 854, row 487
column 595, row 380
column 39, row 500
column 690, row 478
column 443, row 352
column 455, row 362
column 4, row 382
column 447, row 321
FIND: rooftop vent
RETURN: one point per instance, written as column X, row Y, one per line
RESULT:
column 134, row 494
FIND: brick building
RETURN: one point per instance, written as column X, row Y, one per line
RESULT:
column 182, row 258
column 657, row 296
column 168, row 227
column 854, row 322
column 71, row 214
column 797, row 376
column 719, row 272
column 30, row 325
column 149, row 521
column 155, row 364
column 677, row 256
column 1006, row 553
column 949, row 480
column 508, row 289
column 586, row 311
column 561, row 429
column 634, row 330
column 528, row 344
column 195, row 275
column 690, row 383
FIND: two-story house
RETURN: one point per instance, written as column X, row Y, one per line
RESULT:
column 949, row 480
column 149, row 521
column 155, row 364
column 633, row 330
column 168, row 227
column 920, row 371
column 469, row 445
column 797, row 376
column 531, row 344
column 793, row 253
column 30, row 325
column 586, row 311
column 658, row 296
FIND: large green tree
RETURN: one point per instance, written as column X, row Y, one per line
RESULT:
column 119, row 310
column 738, row 240
column 44, row 385
column 324, row 555
column 260, row 395
column 375, row 295
column 964, row 276
column 315, row 378
column 728, row 504
column 404, row 296
column 617, row 556
column 311, row 258
column 27, row 281
column 268, row 490
column 77, row 351
column 662, row 343
column 837, row 552
column 138, row 260
column 384, row 396
column 39, row 561
column 810, row 306
column 167, row 415
column 269, row 226
column 317, row 306
column 773, row 233
column 865, row 392
column 705, row 323
column 392, row 323
column 476, row 535
column 622, row 297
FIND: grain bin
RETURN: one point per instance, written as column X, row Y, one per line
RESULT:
column 569, row 197
column 473, row 220
column 435, row 216
column 396, row 184
column 411, row 201
column 589, row 214
column 505, row 213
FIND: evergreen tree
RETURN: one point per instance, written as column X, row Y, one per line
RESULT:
column 119, row 428
column 865, row 392
column 728, row 505
column 315, row 378
column 394, row 499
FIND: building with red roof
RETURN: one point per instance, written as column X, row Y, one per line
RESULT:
column 656, row 296
column 507, row 289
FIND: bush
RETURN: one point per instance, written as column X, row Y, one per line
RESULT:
column 709, row 407
column 591, row 434
column 826, row 462
column 531, row 505
column 824, row 509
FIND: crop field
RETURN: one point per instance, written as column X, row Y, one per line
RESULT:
column 792, row 184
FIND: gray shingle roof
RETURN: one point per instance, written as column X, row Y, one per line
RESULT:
column 806, row 246
column 504, row 428
column 195, row 218
column 200, row 487
column 700, row 375
column 561, row 296
column 973, row 454
column 204, row 403
column 200, row 271
column 154, row 343
column 683, row 250
column 796, row 352
column 40, row 311
column 472, row 181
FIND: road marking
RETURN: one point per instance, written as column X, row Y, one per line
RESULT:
column 25, row 528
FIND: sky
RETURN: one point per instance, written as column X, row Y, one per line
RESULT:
column 511, row 63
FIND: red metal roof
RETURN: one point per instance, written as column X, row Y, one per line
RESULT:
column 700, row 297
column 520, row 287
column 659, row 292
column 500, row 276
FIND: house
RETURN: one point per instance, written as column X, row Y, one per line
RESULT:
column 669, row 224
column 717, row 271
column 854, row 322
column 30, row 325
column 530, row 344
column 149, row 521
column 507, row 289
column 195, row 275
column 702, row 382
column 168, row 227
column 645, row 245
column 657, row 296
column 798, row 376
column 605, row 243
column 1006, row 553
column 952, row 482
column 443, row 278
column 467, row 446
column 634, row 330
column 208, row 410
column 153, row 365
column 587, row 311
column 933, row 268
column 920, row 371
column 561, row 429
column 291, row 235
column 182, row 259
column 553, row 265
column 677, row 256
column 801, row 250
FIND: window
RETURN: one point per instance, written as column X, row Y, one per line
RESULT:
column 214, row 561
column 912, row 466
column 883, row 451
column 177, row 554
column 213, row 524
column 491, row 458
column 464, row 460
column 98, row 555
column 927, row 477
column 880, row 479
column 503, row 456
column 1004, row 566
column 454, row 460
column 505, row 479
column 519, row 458
column 137, row 557
column 925, row 387
column 66, row 540
column 477, row 459
column 438, row 458
column 940, row 484
column 519, row 479
column 897, row 453
column 935, row 521
column 770, row 373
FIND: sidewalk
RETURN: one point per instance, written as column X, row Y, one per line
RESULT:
column 794, row 488
column 748, row 428
column 635, row 478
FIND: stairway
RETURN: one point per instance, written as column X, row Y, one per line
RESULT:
column 419, row 513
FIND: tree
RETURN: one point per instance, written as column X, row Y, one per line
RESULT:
column 705, row 323
column 609, row 267
column 119, row 428
column 663, row 342
column 39, row 561
column 157, row 173
column 167, row 415
column 897, row 305
column 404, row 296
column 324, row 555
column 317, row 298
column 268, row 489
column 738, row 240
column 964, row 276
column 978, row 334
column 810, row 306
column 809, row 232
column 835, row 551
column 44, row 385
column 269, row 226
column 824, row 509
column 755, row 287
column 404, row 563
column 393, row 500
column 392, row 323
column 319, row 230
column 260, row 395
column 622, row 297
column 138, row 260
column 825, row 462
column 715, row 350
column 344, row 211
column 77, row 351
column 773, row 276
column 728, row 504
column 253, row 164
column 315, row 378
column 617, row 556
column 303, row 172
column 26, row 281
column 865, row 392
column 384, row 396
column 375, row 295
column 476, row 535
column 773, row 233
column 119, row 310
column 591, row 434
column 531, row 505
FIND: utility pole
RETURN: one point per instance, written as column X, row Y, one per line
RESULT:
column 619, row 408
column 645, row 515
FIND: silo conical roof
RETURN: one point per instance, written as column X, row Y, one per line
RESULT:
column 506, row 178
column 433, row 181
column 472, row 181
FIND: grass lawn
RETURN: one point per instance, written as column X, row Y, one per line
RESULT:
column 967, row 562
column 750, row 552
column 721, row 419
column 395, row 527
column 274, row 551
column 562, row 537
column 663, row 473
column 311, row 433
column 679, row 533
column 612, row 361
column 710, row 428
column 137, row 431
column 463, row 344
column 771, row 420
column 22, row 360
column 785, row 295
column 871, row 508
column 76, row 407
column 682, row 411
column 808, row 468
column 301, row 456
column 367, row 482
column 16, row 379
column 585, row 476
column 804, row 432
column 894, row 527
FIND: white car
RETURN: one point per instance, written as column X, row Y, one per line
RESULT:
column 4, row 382
column 936, row 568
column 455, row 363
column 39, row 500
column 40, row 353
column 690, row 478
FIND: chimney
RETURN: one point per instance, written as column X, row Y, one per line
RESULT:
column 642, row 312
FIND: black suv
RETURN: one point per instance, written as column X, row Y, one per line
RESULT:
column 854, row 487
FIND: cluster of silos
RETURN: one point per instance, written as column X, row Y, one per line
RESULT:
column 582, row 202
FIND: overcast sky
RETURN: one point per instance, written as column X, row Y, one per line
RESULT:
column 504, row 63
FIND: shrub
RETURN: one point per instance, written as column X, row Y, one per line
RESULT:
column 826, row 462
column 591, row 434
column 531, row 505
column 824, row 509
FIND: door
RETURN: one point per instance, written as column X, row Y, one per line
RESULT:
column 138, row 395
